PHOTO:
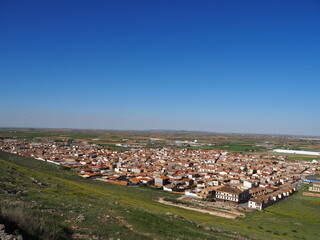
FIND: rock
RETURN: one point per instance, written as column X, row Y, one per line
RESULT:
column 41, row 184
column 81, row 218
column 215, row 229
column 118, row 233
column 11, row 191
column 5, row 236
column 169, row 213
column 2, row 228
column 207, row 228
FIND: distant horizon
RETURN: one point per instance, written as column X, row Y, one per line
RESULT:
column 161, row 130
column 218, row 66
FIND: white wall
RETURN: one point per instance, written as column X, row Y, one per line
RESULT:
column 297, row 152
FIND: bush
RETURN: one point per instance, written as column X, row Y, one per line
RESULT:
column 31, row 225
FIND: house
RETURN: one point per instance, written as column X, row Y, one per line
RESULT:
column 260, row 202
column 249, row 183
column 235, row 181
column 264, row 201
column 254, row 192
column 193, row 194
column 231, row 194
column 315, row 187
column 216, row 182
column 137, row 170
column 160, row 181
column 146, row 180
column 134, row 181
column 188, row 181
column 175, row 188
column 208, row 193
column 169, row 187
column 193, row 175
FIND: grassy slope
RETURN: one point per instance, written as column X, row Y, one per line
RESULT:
column 110, row 209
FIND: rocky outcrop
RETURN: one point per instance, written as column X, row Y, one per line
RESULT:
column 6, row 236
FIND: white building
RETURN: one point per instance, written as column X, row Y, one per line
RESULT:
column 301, row 152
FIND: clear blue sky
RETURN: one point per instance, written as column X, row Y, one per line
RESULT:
column 224, row 66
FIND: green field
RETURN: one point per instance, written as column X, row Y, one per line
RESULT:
column 44, row 201
column 233, row 147
column 303, row 158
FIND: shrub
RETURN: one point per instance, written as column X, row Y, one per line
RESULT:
column 31, row 225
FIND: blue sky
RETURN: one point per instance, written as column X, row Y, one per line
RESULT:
column 223, row 66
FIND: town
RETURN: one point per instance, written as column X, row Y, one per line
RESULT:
column 255, row 181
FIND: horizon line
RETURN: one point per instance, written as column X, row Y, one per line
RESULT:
column 166, row 130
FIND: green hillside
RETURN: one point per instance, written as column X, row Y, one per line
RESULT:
column 45, row 201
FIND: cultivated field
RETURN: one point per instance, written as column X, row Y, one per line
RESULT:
column 246, row 143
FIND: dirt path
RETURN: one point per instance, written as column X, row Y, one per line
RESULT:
column 211, row 212
column 228, row 211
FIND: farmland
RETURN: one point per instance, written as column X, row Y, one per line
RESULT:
column 124, row 140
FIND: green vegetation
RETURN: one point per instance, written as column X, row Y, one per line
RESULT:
column 86, row 207
column 233, row 147
column 112, row 147
column 66, row 205
column 32, row 224
column 292, row 218
column 109, row 138
column 303, row 158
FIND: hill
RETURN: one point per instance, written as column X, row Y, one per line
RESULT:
column 45, row 201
